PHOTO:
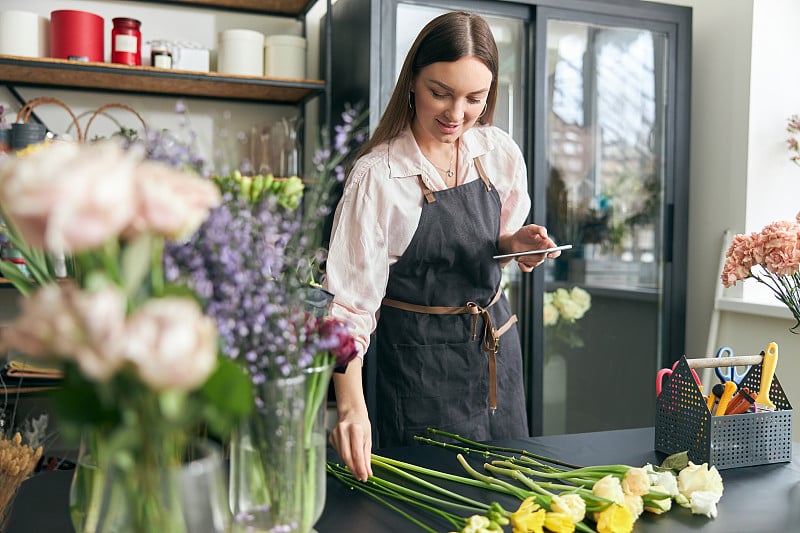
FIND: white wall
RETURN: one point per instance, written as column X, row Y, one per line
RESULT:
column 744, row 87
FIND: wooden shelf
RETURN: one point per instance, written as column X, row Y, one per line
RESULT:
column 66, row 74
column 277, row 7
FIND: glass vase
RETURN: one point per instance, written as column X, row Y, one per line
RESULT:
column 314, row 476
column 267, row 459
column 119, row 498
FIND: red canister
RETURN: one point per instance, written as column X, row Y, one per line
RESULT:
column 76, row 35
column 126, row 42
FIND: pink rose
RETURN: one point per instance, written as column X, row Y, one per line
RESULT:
column 172, row 344
column 63, row 322
column 68, row 196
column 171, row 202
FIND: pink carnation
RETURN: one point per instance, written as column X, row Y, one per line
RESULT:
column 782, row 248
column 739, row 259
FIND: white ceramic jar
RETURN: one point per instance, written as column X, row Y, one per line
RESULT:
column 241, row 52
column 23, row 33
column 285, row 57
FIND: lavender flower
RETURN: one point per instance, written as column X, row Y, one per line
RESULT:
column 251, row 263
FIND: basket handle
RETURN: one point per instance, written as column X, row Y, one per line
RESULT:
column 26, row 110
column 715, row 362
column 102, row 108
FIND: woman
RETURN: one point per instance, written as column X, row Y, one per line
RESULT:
column 435, row 193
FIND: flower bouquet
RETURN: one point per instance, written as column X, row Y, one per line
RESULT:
column 253, row 264
column 554, row 495
column 142, row 375
column 562, row 309
column 772, row 258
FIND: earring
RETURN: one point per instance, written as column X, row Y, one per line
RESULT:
column 411, row 100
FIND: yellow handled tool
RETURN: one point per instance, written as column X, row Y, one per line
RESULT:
column 725, row 397
column 767, row 373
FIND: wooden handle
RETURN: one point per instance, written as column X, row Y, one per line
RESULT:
column 715, row 362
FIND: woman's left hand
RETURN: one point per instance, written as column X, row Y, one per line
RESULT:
column 530, row 237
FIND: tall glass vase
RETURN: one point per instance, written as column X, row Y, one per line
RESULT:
column 267, row 459
column 314, row 477
column 119, row 498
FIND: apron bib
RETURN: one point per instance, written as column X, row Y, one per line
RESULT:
column 448, row 351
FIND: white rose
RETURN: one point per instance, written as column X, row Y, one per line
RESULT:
column 171, row 202
column 63, row 321
column 550, row 315
column 609, row 488
column 581, row 298
column 705, row 502
column 668, row 481
column 635, row 504
column 695, row 478
column 172, row 344
column 636, row 482
column 658, row 506
column 569, row 504
column 69, row 196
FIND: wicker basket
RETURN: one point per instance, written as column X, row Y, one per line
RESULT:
column 26, row 110
column 685, row 423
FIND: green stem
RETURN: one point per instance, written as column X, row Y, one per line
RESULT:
column 440, row 475
column 493, row 448
column 428, row 485
column 494, row 482
column 345, row 477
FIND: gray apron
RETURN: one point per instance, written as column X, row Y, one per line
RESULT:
column 441, row 361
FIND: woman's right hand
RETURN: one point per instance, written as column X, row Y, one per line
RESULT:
column 352, row 439
column 352, row 435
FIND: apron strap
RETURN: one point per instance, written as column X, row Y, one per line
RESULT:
column 429, row 197
column 490, row 338
column 482, row 174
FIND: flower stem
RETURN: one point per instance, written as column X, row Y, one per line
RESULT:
column 437, row 474
column 517, row 451
column 372, row 489
column 428, row 485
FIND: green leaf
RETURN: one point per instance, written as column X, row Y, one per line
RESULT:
column 229, row 396
column 77, row 403
column 677, row 461
column 13, row 274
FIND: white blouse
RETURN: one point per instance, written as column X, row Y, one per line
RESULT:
column 381, row 207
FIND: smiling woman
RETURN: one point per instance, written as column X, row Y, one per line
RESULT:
column 436, row 193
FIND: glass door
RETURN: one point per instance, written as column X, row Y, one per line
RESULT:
column 605, row 187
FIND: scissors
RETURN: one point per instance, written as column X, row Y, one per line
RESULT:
column 666, row 372
column 732, row 372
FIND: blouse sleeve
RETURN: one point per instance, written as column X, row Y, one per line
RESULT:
column 513, row 189
column 357, row 268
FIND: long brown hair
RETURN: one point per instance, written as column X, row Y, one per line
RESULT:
column 448, row 37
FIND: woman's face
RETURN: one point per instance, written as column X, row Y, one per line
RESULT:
column 449, row 97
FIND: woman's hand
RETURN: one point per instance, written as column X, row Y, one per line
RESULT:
column 352, row 435
column 530, row 237
column 352, row 440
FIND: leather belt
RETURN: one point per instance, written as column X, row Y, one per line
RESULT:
column 491, row 335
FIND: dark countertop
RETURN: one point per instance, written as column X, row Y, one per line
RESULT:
column 757, row 499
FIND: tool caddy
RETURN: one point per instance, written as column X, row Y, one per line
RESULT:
column 684, row 421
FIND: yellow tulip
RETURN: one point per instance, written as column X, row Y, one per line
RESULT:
column 614, row 519
column 559, row 523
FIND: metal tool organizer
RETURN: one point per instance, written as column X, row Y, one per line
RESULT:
column 685, row 423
